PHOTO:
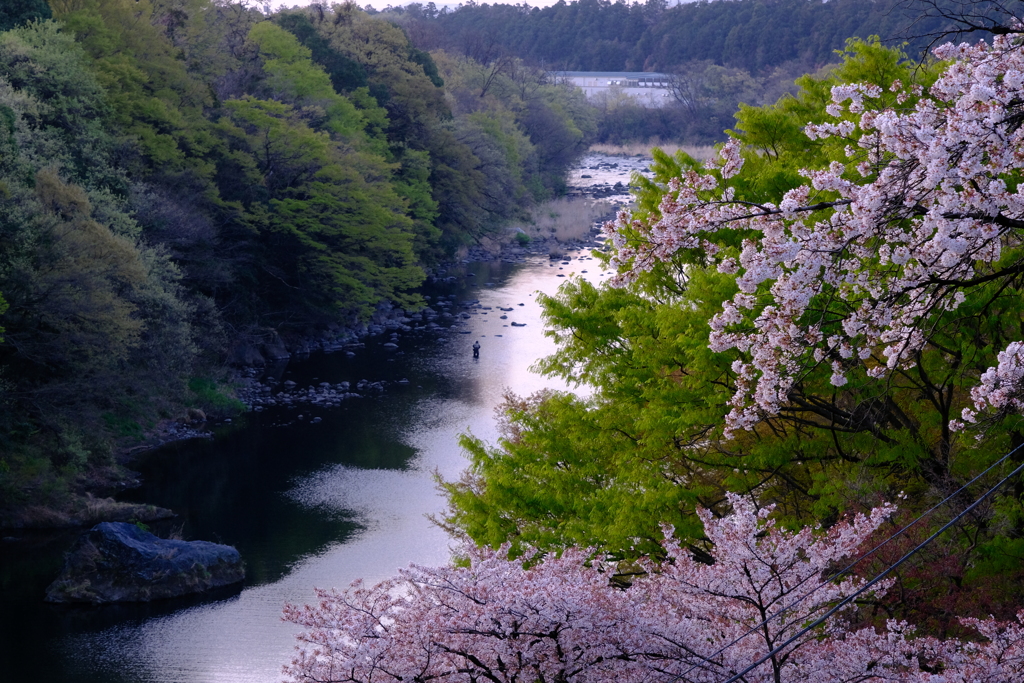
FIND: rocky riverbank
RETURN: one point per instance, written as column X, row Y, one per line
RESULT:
column 597, row 177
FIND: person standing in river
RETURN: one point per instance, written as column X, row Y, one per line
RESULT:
column 476, row 349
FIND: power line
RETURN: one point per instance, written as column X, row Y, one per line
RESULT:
column 852, row 564
column 847, row 600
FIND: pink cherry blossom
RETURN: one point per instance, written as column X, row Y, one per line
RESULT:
column 894, row 242
column 564, row 620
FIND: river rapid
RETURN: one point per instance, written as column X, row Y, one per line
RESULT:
column 311, row 496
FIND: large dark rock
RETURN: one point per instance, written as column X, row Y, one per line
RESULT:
column 119, row 562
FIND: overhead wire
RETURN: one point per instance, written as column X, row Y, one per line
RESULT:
column 881, row 575
column 849, row 567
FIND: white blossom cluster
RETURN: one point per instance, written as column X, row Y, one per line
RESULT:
column 563, row 621
column 852, row 267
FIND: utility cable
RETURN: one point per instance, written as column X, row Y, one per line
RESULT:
column 849, row 567
column 847, row 600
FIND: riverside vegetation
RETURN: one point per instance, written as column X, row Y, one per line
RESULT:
column 183, row 180
column 676, row 418
column 824, row 318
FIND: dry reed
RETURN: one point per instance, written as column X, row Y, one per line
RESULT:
column 564, row 219
column 644, row 149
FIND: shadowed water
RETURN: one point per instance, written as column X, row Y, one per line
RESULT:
column 306, row 504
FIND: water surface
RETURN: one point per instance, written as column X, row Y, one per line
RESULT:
column 306, row 504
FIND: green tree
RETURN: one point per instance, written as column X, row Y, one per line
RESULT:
column 568, row 470
column 14, row 13
column 96, row 324
column 389, row 79
column 331, row 240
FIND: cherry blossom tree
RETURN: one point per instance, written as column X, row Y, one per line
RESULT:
column 855, row 269
column 563, row 619
column 998, row 658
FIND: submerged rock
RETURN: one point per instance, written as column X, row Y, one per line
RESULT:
column 119, row 562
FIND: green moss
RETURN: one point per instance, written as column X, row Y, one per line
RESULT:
column 214, row 397
column 122, row 426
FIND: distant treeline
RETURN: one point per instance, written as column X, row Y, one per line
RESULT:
column 720, row 53
column 598, row 35
column 179, row 178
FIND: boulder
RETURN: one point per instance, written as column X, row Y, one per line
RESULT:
column 245, row 354
column 275, row 350
column 119, row 562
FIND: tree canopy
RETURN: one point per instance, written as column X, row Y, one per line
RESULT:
column 685, row 620
column 754, row 35
column 184, row 181
column 743, row 351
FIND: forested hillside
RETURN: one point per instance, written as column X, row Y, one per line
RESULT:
column 719, row 53
column 184, row 179
column 599, row 35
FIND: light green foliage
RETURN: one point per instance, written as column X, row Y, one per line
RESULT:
column 607, row 471
column 291, row 76
column 214, row 396
column 341, row 239
column 497, row 137
column 651, row 433
column 412, row 182
column 153, row 97
column 438, row 173
column 381, row 82
column 45, row 79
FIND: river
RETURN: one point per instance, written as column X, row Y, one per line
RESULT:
column 338, row 494
column 307, row 504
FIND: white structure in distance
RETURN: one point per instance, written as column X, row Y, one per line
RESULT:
column 648, row 88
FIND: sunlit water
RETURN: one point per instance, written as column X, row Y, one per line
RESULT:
column 306, row 504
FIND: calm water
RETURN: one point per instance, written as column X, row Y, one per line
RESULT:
column 306, row 504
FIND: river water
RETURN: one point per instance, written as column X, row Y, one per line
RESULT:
column 307, row 504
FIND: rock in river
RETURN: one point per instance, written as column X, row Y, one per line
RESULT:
column 119, row 562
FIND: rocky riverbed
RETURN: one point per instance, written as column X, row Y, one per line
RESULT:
column 606, row 177
column 442, row 316
column 597, row 176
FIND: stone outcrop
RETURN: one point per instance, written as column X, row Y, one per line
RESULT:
column 119, row 562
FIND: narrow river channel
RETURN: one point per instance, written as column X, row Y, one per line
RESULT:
column 307, row 504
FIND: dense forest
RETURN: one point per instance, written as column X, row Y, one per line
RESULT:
column 183, row 181
column 720, row 54
column 598, row 35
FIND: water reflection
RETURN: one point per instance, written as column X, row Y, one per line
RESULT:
column 310, row 504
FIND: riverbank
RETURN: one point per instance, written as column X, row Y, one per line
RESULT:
column 307, row 503
column 557, row 229
column 643, row 149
